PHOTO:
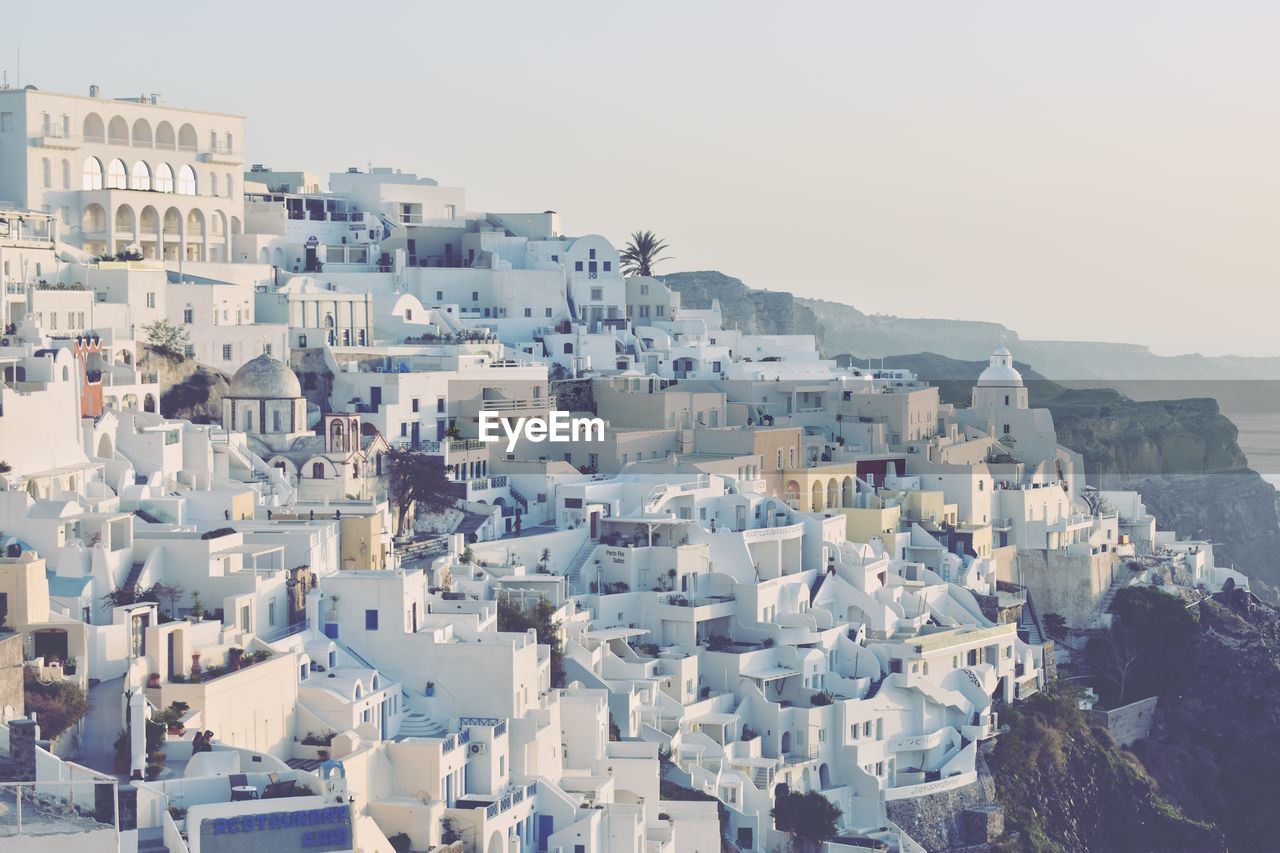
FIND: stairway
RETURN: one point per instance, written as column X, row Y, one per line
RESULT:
column 573, row 575
column 135, row 572
column 151, row 840
column 1028, row 623
column 1118, row 583
column 417, row 724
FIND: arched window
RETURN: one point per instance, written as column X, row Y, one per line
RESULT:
column 117, row 175
column 230, row 185
column 46, row 173
column 213, row 183
column 317, row 471
column 186, row 180
column 94, row 129
column 187, row 138
column 66, row 174
column 275, row 422
column 141, row 134
column 164, row 179
column 248, row 420
column 335, row 436
column 164, row 135
column 92, row 175
column 141, row 176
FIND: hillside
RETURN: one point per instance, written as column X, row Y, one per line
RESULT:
column 755, row 312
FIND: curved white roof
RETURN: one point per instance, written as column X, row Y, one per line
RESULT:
column 1000, row 372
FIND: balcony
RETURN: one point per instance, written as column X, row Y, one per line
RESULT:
column 220, row 154
column 53, row 137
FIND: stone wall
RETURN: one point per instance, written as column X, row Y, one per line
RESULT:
column 1068, row 584
column 11, row 690
column 952, row 819
column 1128, row 723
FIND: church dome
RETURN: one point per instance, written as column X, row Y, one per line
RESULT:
column 1000, row 372
column 265, row 378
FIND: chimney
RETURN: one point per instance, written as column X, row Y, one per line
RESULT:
column 93, row 90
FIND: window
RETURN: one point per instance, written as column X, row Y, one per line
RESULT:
column 91, row 174
column 151, row 300
column 46, row 168
column 528, row 312
column 597, row 294
column 226, row 352
column 608, row 265
column 271, row 611
column 187, row 184
column 6, row 122
column 66, row 174
column 187, row 316
column 189, row 350
column 475, row 296
column 371, row 620
column 414, row 404
column 302, row 340
column 317, row 470
column 577, row 266
column 439, row 296
column 116, row 176
column 548, row 312
column 439, row 404
column 164, row 179
column 592, row 254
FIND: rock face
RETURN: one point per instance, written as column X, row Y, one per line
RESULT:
column 189, row 391
column 949, row 820
column 1214, row 748
column 755, row 312
column 1064, row 786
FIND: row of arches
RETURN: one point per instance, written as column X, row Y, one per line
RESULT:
column 835, row 493
column 140, row 134
column 130, row 403
column 161, row 178
column 162, row 236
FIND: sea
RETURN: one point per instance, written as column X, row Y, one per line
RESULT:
column 1260, row 441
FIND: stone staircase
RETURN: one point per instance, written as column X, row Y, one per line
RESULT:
column 417, row 724
column 135, row 572
column 151, row 840
column 1118, row 583
column 1028, row 623
column 573, row 575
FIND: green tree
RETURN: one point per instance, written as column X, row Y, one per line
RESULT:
column 167, row 337
column 1055, row 625
column 417, row 479
column 58, row 705
column 808, row 818
column 511, row 617
column 643, row 252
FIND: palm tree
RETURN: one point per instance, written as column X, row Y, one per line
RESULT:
column 642, row 254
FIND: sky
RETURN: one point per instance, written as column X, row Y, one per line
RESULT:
column 1084, row 170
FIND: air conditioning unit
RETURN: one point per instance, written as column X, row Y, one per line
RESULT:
column 476, row 748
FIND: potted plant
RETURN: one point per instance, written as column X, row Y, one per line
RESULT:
column 153, row 680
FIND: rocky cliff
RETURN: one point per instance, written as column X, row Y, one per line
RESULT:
column 755, row 312
column 189, row 391
column 1065, row 786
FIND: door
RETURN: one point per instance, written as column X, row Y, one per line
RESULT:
column 415, row 433
column 311, row 259
column 375, row 397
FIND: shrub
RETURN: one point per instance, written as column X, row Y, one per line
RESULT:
column 59, row 705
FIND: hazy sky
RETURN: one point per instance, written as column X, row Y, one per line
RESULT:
column 1088, row 170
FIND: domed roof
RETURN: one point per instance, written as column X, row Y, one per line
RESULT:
column 1001, row 371
column 265, row 378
